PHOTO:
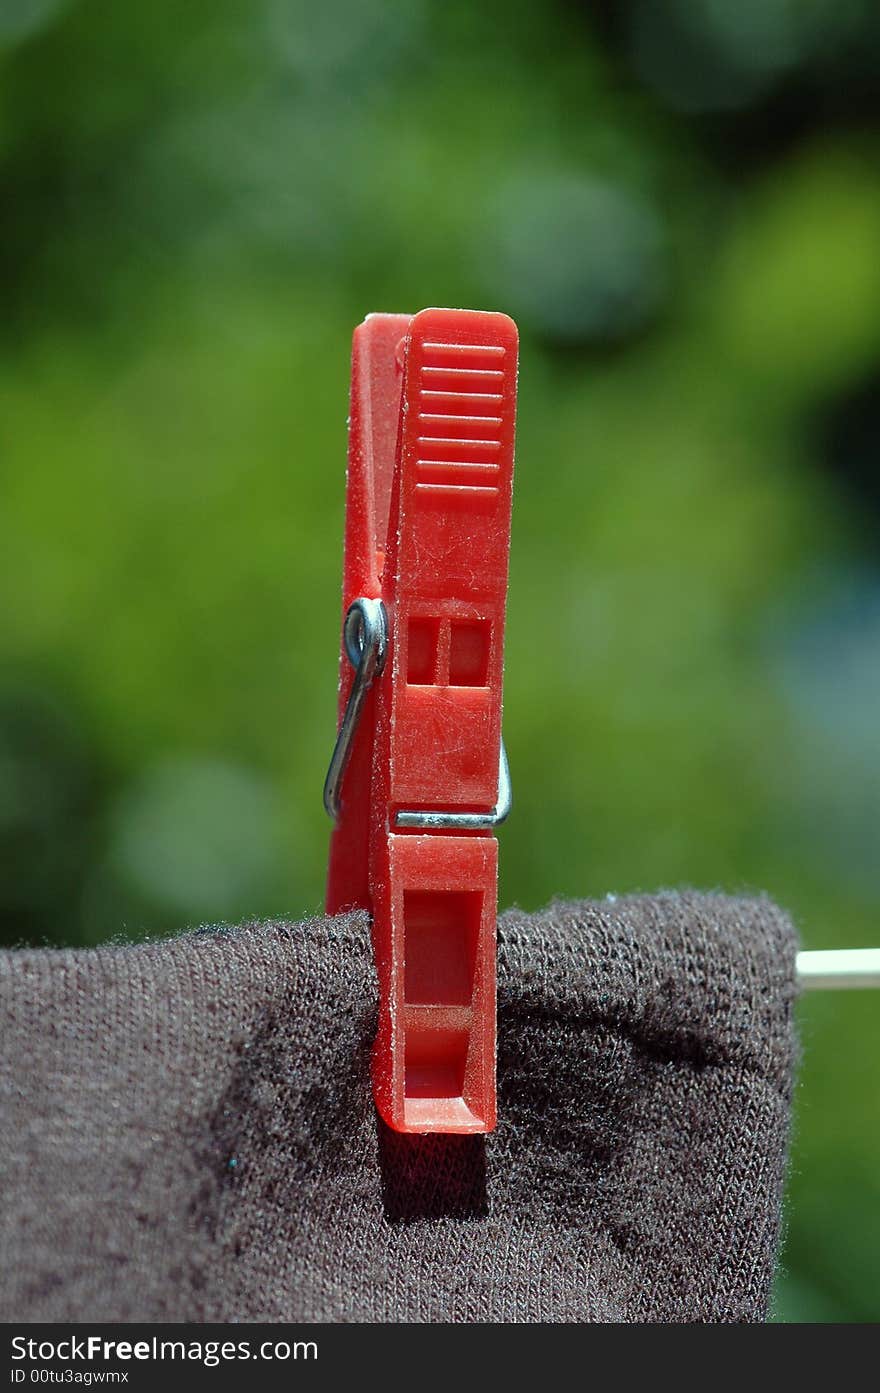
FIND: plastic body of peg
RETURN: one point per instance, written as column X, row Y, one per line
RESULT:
column 419, row 778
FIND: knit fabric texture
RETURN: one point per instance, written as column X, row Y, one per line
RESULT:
column 189, row 1133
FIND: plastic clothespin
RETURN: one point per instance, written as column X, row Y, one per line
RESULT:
column 418, row 780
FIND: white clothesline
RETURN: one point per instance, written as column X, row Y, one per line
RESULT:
column 837, row 968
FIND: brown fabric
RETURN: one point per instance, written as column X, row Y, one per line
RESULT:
column 188, row 1132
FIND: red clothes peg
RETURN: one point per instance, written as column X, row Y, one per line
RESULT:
column 418, row 778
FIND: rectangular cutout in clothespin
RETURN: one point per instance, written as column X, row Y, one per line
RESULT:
column 418, row 780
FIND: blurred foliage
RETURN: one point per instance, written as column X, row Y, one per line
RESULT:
column 679, row 200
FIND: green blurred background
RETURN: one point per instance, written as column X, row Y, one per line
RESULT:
column 679, row 201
